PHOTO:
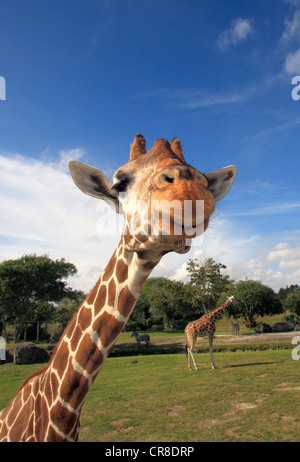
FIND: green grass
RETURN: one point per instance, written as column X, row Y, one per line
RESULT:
column 11, row 378
column 251, row 396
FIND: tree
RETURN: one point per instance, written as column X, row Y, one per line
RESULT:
column 284, row 293
column 254, row 299
column 29, row 288
column 168, row 302
column 66, row 309
column 163, row 302
column 292, row 302
column 141, row 316
column 206, row 283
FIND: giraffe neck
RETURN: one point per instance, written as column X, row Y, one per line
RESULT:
column 94, row 330
column 218, row 312
column 59, row 390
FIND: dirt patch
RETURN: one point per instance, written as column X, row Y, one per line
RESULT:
column 175, row 410
column 208, row 423
column 271, row 337
column 285, row 418
column 232, row 432
column 232, row 416
column 120, row 426
column 286, row 386
column 246, row 406
column 288, row 418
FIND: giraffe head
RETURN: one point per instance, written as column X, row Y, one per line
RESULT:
column 165, row 201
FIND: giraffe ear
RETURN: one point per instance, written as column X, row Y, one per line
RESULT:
column 220, row 181
column 94, row 183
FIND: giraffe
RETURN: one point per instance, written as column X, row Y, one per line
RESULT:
column 47, row 406
column 204, row 326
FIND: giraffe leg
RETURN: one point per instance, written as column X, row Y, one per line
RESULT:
column 189, row 358
column 190, row 347
column 192, row 356
column 211, row 338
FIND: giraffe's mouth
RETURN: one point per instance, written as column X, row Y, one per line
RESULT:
column 190, row 232
column 165, row 226
column 183, row 230
column 183, row 221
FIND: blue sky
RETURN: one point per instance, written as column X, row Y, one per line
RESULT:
column 83, row 76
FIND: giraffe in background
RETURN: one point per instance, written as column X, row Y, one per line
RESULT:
column 204, row 326
column 47, row 407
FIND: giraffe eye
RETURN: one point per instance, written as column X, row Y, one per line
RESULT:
column 121, row 185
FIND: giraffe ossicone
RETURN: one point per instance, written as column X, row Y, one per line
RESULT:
column 47, row 407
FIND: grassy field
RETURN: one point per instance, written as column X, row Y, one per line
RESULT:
column 174, row 342
column 251, row 396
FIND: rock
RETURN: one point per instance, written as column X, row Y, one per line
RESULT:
column 10, row 356
column 262, row 328
column 297, row 326
column 30, row 354
column 283, row 326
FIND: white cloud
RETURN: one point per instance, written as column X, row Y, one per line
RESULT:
column 223, row 242
column 291, row 38
column 278, row 128
column 194, row 98
column 286, row 255
column 238, row 32
column 198, row 99
column 281, row 251
column 42, row 211
column 277, row 209
column 293, row 2
column 292, row 63
column 245, row 256
column 66, row 156
column 292, row 28
column 278, row 266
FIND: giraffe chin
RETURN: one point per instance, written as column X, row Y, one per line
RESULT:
column 174, row 244
column 158, row 244
column 183, row 249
